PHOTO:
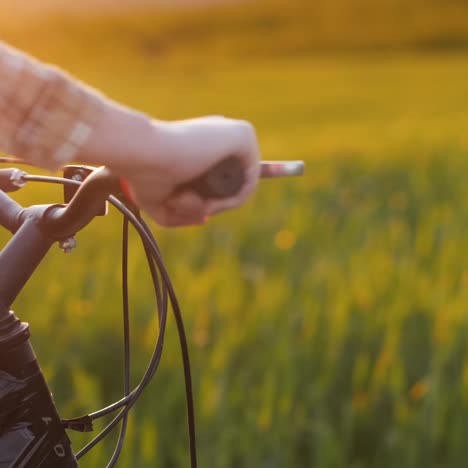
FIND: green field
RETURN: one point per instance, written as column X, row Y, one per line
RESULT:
column 327, row 317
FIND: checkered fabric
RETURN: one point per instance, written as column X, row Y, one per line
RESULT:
column 45, row 115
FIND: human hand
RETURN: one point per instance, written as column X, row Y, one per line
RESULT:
column 156, row 157
column 58, row 120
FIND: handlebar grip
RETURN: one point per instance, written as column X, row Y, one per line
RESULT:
column 223, row 180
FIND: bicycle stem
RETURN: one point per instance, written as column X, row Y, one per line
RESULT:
column 10, row 213
column 20, row 257
column 31, row 432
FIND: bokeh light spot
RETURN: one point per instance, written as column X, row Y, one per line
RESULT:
column 285, row 239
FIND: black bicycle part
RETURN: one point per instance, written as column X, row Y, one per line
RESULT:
column 78, row 173
column 21, row 256
column 223, row 180
column 35, row 227
column 128, row 402
column 126, row 327
column 62, row 221
column 125, row 404
column 82, row 423
column 10, row 213
column 38, row 227
column 54, row 225
column 31, row 432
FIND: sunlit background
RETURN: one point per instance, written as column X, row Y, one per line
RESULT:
column 327, row 318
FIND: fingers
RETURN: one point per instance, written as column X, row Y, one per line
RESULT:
column 214, row 206
column 182, row 209
column 250, row 155
column 188, row 208
column 184, row 152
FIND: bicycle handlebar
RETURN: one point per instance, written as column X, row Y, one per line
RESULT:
column 223, row 180
column 62, row 221
column 59, row 222
column 35, row 229
column 10, row 212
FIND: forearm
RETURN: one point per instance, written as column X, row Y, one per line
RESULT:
column 47, row 117
column 119, row 136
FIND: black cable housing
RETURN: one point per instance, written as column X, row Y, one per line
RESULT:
column 164, row 292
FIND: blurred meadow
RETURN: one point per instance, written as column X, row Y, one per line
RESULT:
column 326, row 318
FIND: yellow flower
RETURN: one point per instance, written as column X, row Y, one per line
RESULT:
column 285, row 239
column 419, row 390
column 360, row 400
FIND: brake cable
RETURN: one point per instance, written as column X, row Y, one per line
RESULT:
column 163, row 290
column 126, row 327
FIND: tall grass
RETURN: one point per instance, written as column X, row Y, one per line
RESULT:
column 326, row 318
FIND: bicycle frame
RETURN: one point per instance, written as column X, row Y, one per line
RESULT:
column 31, row 432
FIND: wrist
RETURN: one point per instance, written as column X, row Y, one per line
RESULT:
column 119, row 136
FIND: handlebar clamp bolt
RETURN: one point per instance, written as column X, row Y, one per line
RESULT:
column 67, row 245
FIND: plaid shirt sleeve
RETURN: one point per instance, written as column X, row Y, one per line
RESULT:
column 45, row 115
